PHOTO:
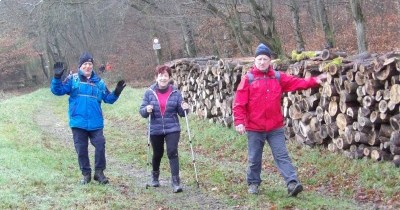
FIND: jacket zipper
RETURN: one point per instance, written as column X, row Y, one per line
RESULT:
column 162, row 116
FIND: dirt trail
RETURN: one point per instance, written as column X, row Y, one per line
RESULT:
column 129, row 180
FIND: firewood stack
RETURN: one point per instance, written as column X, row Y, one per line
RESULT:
column 209, row 84
column 356, row 111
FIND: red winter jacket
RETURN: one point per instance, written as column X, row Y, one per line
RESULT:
column 258, row 105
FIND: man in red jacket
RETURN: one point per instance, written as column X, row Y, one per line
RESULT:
column 257, row 112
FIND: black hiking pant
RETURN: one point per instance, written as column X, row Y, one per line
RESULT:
column 171, row 140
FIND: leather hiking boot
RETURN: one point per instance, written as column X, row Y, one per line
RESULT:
column 176, row 184
column 294, row 188
column 99, row 176
column 154, row 179
column 86, row 179
column 253, row 189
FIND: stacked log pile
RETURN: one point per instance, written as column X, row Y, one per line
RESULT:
column 209, row 84
column 356, row 111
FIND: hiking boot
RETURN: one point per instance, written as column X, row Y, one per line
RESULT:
column 253, row 189
column 294, row 188
column 176, row 184
column 86, row 179
column 154, row 179
column 99, row 176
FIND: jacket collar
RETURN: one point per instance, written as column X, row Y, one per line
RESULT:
column 257, row 72
column 154, row 87
column 93, row 77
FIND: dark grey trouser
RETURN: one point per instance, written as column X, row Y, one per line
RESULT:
column 81, row 142
column 171, row 140
column 276, row 141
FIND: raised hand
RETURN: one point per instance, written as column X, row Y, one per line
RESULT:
column 120, row 86
column 58, row 69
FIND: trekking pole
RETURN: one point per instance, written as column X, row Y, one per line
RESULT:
column 191, row 149
column 148, row 152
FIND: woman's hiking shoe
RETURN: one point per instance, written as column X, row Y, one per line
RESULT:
column 294, row 188
column 154, row 179
column 176, row 187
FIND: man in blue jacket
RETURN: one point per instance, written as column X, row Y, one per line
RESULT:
column 86, row 91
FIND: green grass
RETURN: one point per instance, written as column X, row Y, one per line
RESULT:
column 40, row 171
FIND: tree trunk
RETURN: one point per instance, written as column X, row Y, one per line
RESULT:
column 237, row 28
column 294, row 8
column 188, row 38
column 43, row 64
column 360, row 25
column 329, row 39
column 256, row 9
column 271, row 35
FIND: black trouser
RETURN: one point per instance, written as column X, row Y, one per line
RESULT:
column 171, row 140
column 81, row 142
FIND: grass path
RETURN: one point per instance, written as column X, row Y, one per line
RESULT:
column 39, row 168
column 128, row 180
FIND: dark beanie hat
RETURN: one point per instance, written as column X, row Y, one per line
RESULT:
column 85, row 57
column 262, row 49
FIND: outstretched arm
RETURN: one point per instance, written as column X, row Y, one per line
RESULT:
column 291, row 83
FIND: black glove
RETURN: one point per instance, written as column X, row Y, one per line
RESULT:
column 120, row 86
column 58, row 69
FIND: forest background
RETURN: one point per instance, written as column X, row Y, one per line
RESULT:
column 37, row 33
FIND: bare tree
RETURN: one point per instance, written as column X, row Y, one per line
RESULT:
column 268, row 33
column 329, row 38
column 313, row 11
column 358, row 17
column 65, row 29
column 294, row 8
column 188, row 38
column 397, row 5
column 232, row 20
column 187, row 30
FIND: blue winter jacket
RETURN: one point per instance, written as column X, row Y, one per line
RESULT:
column 85, row 96
column 169, row 123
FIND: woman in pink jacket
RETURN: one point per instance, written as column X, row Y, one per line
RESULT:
column 257, row 112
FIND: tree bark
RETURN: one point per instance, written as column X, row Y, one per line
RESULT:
column 294, row 8
column 188, row 38
column 360, row 25
column 329, row 38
